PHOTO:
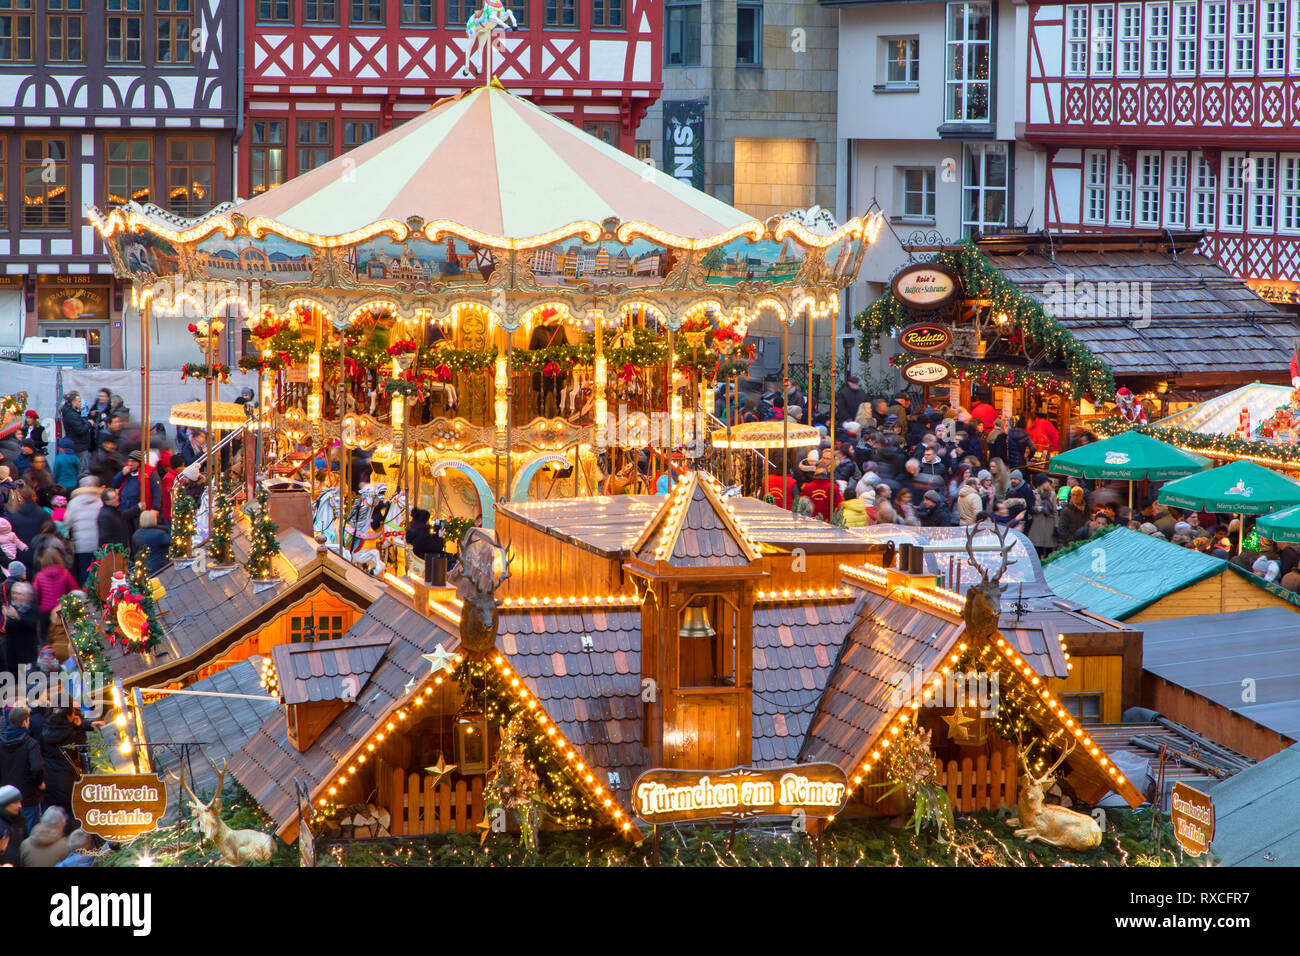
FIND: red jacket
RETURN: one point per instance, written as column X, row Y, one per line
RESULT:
column 782, row 491
column 825, row 497
column 165, row 506
column 1044, row 435
column 986, row 413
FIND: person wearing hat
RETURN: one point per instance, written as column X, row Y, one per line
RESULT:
column 850, row 399
column 932, row 511
column 13, row 825
column 21, row 765
column 67, row 466
column 127, row 483
column 33, row 431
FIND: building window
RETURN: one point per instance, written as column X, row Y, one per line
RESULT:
column 1176, row 192
column 918, row 193
column 274, row 11
column 45, row 182
column 605, row 132
column 325, row 627
column 1094, row 188
column 1232, row 211
column 191, row 173
column 984, row 187
column 1204, row 195
column 458, row 12
column 968, row 77
column 520, row 9
column 1085, row 707
column 1130, row 40
column 608, row 15
column 1121, row 193
column 1295, row 38
column 643, row 150
column 4, row 183
column 320, row 11
column 1272, row 34
column 562, row 13
column 1076, row 41
column 16, row 27
column 1290, row 203
column 172, row 31
column 128, row 170
column 1158, row 38
column 682, row 34
column 125, row 31
column 1185, row 39
column 749, row 34
column 315, row 144
column 266, row 159
column 1214, row 33
column 1103, row 40
column 354, row 134
column 417, row 13
column 368, row 12
column 1148, row 198
column 65, row 31
column 1243, row 37
column 902, row 61
column 1262, row 178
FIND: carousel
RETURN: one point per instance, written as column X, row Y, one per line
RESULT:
column 483, row 304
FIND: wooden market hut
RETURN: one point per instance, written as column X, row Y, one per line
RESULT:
column 669, row 632
column 1147, row 578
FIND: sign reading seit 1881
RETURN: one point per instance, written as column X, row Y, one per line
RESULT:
column 925, row 287
column 674, row 796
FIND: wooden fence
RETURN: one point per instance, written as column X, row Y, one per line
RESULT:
column 418, row 807
column 984, row 783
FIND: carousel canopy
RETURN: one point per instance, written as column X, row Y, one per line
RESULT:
column 767, row 435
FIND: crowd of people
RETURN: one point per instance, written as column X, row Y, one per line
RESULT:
column 98, row 490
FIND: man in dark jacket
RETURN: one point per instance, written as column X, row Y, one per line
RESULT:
column 63, row 747
column 127, row 483
column 13, row 826
column 21, row 765
column 75, row 427
column 1019, row 446
column 113, row 526
column 29, row 517
column 427, row 543
column 22, row 625
column 851, row 396
column 933, row 512
column 152, row 541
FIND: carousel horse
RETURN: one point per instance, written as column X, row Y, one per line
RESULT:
column 480, row 26
column 621, row 482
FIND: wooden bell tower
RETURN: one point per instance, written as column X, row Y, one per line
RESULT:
column 700, row 570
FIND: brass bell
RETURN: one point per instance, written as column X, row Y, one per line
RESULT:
column 695, row 623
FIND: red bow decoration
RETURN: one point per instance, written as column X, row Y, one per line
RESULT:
column 629, row 372
column 191, row 328
column 550, row 368
column 443, row 373
column 549, row 312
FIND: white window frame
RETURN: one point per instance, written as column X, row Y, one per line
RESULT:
column 1214, row 33
column 1128, row 47
column 1157, row 39
column 1295, row 37
column 1272, row 37
column 1289, row 194
column 1102, row 33
column 982, row 150
column 1232, row 192
column 1182, row 59
column 1204, row 194
column 1261, row 186
column 968, row 46
column 1146, row 200
column 1095, row 178
column 1242, row 52
column 927, row 193
column 1176, row 170
column 1121, row 193
column 1076, row 41
column 912, row 65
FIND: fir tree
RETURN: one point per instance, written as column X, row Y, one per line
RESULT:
column 221, row 540
column 183, row 526
column 263, row 546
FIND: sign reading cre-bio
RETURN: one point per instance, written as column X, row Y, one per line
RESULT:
column 1192, row 813
column 119, row 806
column 925, row 287
column 925, row 337
column 674, row 796
column 927, row 371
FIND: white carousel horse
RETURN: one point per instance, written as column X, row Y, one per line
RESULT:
column 325, row 516
column 480, row 26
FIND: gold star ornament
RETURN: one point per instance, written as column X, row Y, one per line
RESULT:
column 440, row 660
column 440, row 769
column 957, row 729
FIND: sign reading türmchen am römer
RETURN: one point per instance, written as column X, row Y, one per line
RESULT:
column 673, row 796
column 119, row 806
column 1192, row 813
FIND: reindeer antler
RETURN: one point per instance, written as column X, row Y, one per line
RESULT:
column 184, row 786
column 1001, row 534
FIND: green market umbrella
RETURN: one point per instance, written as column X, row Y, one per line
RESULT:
column 1281, row 526
column 1242, row 487
column 1129, row 456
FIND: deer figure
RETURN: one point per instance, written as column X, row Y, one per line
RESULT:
column 484, row 564
column 235, row 846
column 1047, row 822
column 984, row 600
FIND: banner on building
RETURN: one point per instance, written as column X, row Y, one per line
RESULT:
column 684, row 141
column 73, row 299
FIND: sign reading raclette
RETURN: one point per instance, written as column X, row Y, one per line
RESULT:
column 675, row 796
column 925, row 337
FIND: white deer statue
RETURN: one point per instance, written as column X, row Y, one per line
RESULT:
column 1047, row 822
column 235, row 846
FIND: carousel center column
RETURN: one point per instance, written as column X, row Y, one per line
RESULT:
column 601, row 420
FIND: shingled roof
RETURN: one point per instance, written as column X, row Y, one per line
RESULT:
column 694, row 528
column 318, row 670
column 1202, row 318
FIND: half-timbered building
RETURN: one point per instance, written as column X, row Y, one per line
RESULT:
column 103, row 102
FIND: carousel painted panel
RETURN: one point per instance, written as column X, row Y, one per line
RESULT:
column 453, row 261
column 574, row 264
column 271, row 259
column 744, row 260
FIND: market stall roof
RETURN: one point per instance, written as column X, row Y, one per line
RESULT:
column 1203, row 320
column 1240, row 487
column 1221, row 415
column 1256, row 814
column 1212, row 654
column 496, row 163
column 1139, row 570
column 1128, row 456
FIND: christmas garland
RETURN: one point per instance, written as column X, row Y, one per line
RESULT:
column 1008, row 376
column 83, row 635
column 1212, row 446
column 184, row 526
column 982, row 280
column 217, row 372
column 14, row 404
column 92, row 573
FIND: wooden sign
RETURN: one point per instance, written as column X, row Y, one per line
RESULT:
column 927, row 371
column 1192, row 813
column 925, row 287
column 674, row 796
column 119, row 806
column 925, row 337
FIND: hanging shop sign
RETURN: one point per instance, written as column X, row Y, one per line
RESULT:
column 925, row 287
column 1192, row 813
column 925, row 337
column 675, row 796
column 928, row 371
column 684, row 141
column 119, row 806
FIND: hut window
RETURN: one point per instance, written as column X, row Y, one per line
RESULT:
column 1085, row 707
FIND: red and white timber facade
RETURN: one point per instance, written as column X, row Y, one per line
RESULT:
column 1176, row 115
column 327, row 76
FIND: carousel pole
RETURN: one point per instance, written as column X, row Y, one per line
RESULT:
column 832, row 393
column 146, row 318
column 510, row 414
column 341, row 411
column 672, row 392
column 808, row 364
column 209, row 386
column 785, row 418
